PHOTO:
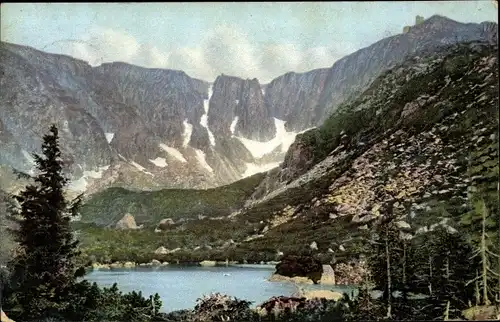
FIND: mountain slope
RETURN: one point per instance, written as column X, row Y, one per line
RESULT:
column 419, row 142
column 139, row 128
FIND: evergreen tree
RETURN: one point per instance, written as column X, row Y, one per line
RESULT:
column 386, row 259
column 448, row 268
column 44, row 268
column 484, row 251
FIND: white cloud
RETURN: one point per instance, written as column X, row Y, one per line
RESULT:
column 224, row 49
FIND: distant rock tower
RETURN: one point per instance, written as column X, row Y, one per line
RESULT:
column 418, row 20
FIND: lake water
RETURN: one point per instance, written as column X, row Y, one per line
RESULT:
column 179, row 287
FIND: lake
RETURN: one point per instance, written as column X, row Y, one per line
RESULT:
column 180, row 286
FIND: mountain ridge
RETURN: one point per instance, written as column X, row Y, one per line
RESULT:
column 117, row 116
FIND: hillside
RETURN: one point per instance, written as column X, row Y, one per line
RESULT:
column 149, row 207
column 421, row 141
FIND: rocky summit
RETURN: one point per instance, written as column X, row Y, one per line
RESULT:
column 138, row 128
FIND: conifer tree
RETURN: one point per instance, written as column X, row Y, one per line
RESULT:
column 483, row 251
column 452, row 267
column 44, row 267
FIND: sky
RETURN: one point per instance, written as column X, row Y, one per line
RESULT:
column 260, row 40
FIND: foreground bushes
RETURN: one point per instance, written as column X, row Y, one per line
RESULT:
column 89, row 302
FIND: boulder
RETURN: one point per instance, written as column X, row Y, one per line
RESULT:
column 165, row 223
column 295, row 279
column 304, row 266
column 100, row 266
column 129, row 265
column 208, row 263
column 127, row 222
column 279, row 304
column 116, row 265
column 314, row 245
column 323, row 294
column 155, row 262
column 328, row 276
column 161, row 250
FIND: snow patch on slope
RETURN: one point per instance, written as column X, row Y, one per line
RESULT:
column 200, row 156
column 285, row 139
column 204, row 117
column 109, row 136
column 232, row 128
column 173, row 152
column 253, row 168
column 188, row 130
column 159, row 162
column 80, row 184
column 140, row 168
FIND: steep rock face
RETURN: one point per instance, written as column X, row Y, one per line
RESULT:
column 38, row 90
column 240, row 101
column 162, row 98
column 299, row 159
column 293, row 98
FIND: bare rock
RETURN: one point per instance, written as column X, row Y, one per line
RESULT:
column 127, row 222
column 165, row 223
column 161, row 250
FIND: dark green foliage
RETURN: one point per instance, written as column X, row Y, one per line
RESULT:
column 91, row 303
column 44, row 267
column 300, row 266
column 320, row 310
column 149, row 207
column 444, row 268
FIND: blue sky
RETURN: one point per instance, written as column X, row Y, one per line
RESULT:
column 253, row 39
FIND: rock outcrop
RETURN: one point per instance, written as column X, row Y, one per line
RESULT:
column 165, row 223
column 127, row 222
column 161, row 250
column 302, row 266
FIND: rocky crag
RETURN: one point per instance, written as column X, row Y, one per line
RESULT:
column 128, row 126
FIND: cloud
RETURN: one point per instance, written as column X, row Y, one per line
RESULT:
column 224, row 49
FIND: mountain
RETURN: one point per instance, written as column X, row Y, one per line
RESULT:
column 419, row 142
column 138, row 128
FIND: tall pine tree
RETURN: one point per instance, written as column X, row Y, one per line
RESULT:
column 44, row 267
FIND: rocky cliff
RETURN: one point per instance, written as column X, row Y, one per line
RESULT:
column 125, row 125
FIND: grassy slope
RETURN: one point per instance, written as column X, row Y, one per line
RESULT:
column 149, row 207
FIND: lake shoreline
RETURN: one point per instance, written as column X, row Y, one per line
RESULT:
column 193, row 281
column 156, row 264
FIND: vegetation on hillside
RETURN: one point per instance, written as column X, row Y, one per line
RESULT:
column 149, row 207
